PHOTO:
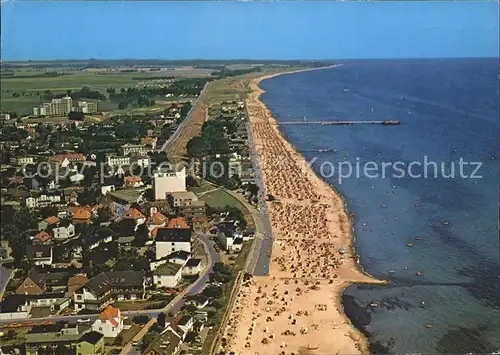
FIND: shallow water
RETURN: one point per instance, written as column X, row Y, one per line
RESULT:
column 448, row 111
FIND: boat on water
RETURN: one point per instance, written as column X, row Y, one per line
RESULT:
column 373, row 305
column 409, row 245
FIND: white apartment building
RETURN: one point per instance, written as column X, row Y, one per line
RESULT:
column 21, row 160
column 170, row 240
column 168, row 181
column 63, row 233
column 133, row 149
column 57, row 107
column 117, row 160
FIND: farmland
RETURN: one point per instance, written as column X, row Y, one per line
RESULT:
column 21, row 93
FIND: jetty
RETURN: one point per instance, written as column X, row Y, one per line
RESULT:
column 323, row 123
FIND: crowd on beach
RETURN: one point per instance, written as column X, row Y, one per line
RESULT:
column 297, row 308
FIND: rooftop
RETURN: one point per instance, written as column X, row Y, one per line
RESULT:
column 180, row 235
column 167, row 269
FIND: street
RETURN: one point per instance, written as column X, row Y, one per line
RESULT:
column 173, row 306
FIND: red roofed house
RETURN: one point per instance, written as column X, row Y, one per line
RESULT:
column 82, row 215
column 109, row 322
column 151, row 141
column 65, row 159
column 75, row 282
column 132, row 181
column 43, row 237
column 52, row 221
column 155, row 220
column 135, row 215
column 178, row 222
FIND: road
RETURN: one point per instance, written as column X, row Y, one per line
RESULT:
column 184, row 122
column 263, row 248
column 173, row 306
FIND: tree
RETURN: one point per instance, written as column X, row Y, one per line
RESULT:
column 190, row 308
column 119, row 339
column 190, row 337
column 196, row 148
column 162, row 320
column 48, row 211
column 18, row 245
column 141, row 235
column 126, row 227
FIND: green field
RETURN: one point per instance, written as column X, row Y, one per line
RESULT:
column 31, row 89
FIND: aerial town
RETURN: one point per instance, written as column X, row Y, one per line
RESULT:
column 118, row 234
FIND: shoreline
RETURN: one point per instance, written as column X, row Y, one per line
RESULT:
column 303, row 195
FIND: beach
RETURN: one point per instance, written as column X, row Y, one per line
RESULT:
column 297, row 308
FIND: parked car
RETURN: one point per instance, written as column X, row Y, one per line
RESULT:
column 83, row 320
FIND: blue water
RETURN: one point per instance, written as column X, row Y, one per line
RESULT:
column 448, row 110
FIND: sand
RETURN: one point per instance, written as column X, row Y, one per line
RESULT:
column 297, row 309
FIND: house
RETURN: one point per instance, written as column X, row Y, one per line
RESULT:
column 142, row 161
column 183, row 198
column 188, row 204
column 33, row 284
column 65, row 159
column 133, row 149
column 168, row 343
column 166, row 181
column 177, row 257
column 98, row 239
column 107, row 188
column 192, row 267
column 116, row 160
column 43, row 238
column 185, row 323
column 44, row 199
column 155, row 220
column 90, row 343
column 51, row 221
column 42, row 339
column 109, row 322
column 82, row 215
column 107, row 287
column 200, row 301
column 75, row 282
column 196, row 210
column 63, row 233
column 169, row 240
column 226, row 237
column 167, row 275
column 132, row 181
column 149, row 141
column 21, row 160
column 135, row 215
column 40, row 254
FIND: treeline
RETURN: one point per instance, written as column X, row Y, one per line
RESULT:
column 142, row 97
column 50, row 74
column 228, row 73
column 153, row 78
column 84, row 93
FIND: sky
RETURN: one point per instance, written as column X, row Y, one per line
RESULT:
column 32, row 30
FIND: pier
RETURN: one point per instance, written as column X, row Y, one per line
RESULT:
column 323, row 123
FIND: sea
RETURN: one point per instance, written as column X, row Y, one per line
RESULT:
column 433, row 232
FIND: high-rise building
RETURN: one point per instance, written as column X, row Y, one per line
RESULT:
column 57, row 107
column 168, row 181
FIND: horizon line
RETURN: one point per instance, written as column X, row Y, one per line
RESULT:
column 237, row 59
